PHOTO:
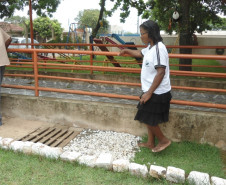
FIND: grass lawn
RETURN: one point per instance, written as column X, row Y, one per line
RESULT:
column 189, row 156
column 18, row 168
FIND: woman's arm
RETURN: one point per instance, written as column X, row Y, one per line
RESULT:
column 157, row 80
column 133, row 53
column 7, row 43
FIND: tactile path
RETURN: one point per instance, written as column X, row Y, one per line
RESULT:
column 52, row 136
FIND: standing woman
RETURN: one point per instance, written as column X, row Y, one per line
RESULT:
column 5, row 41
column 154, row 104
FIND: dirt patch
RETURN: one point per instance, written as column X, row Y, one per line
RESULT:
column 16, row 127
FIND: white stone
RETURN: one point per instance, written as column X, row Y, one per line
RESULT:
column 104, row 161
column 198, row 178
column 17, row 146
column 87, row 160
column 157, row 171
column 218, row 181
column 27, row 148
column 94, row 142
column 37, row 147
column 120, row 165
column 51, row 152
column 138, row 169
column 176, row 175
column 70, row 156
column 5, row 143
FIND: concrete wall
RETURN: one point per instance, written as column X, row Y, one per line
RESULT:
column 125, row 78
column 203, row 127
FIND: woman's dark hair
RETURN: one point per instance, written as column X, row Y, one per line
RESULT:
column 153, row 30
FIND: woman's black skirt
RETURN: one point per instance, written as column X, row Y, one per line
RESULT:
column 155, row 110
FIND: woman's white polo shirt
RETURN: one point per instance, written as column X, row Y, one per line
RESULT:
column 150, row 63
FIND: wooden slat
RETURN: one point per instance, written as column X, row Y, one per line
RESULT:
column 49, row 136
column 40, row 136
column 52, row 136
column 55, row 138
column 20, row 139
column 66, row 141
column 55, row 144
column 33, row 135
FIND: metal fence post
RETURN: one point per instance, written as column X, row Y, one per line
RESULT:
column 91, row 58
column 36, row 73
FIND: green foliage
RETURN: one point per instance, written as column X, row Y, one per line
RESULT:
column 221, row 26
column 195, row 15
column 21, row 21
column 89, row 18
column 42, row 7
column 200, row 14
column 125, row 5
column 43, row 27
column 58, row 39
column 16, row 19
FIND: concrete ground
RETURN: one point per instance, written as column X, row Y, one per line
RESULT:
column 14, row 127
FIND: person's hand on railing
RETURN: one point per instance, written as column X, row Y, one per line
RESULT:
column 130, row 52
column 123, row 52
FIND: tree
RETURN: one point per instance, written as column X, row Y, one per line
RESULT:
column 22, row 21
column 195, row 15
column 44, row 27
column 126, row 4
column 221, row 26
column 89, row 18
column 15, row 19
column 42, row 7
column 100, row 18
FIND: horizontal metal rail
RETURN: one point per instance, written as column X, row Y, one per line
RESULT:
column 40, row 64
column 118, row 45
column 134, row 70
column 115, row 83
column 179, row 102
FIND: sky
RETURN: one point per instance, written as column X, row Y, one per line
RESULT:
column 68, row 10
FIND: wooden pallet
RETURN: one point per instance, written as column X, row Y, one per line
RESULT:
column 52, row 136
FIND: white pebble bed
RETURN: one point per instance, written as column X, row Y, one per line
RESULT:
column 94, row 142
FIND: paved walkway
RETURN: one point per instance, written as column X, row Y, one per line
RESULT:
column 115, row 89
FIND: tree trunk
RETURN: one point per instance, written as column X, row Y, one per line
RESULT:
column 185, row 34
column 102, row 7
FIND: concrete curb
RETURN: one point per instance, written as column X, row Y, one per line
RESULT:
column 183, row 125
column 171, row 174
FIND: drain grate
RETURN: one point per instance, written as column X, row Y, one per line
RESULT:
column 52, row 136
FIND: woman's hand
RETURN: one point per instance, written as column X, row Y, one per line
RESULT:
column 130, row 52
column 122, row 52
column 145, row 97
column 157, row 80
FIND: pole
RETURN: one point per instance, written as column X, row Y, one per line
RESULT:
column 31, row 25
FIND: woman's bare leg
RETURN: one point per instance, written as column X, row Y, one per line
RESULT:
column 151, row 140
column 163, row 142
